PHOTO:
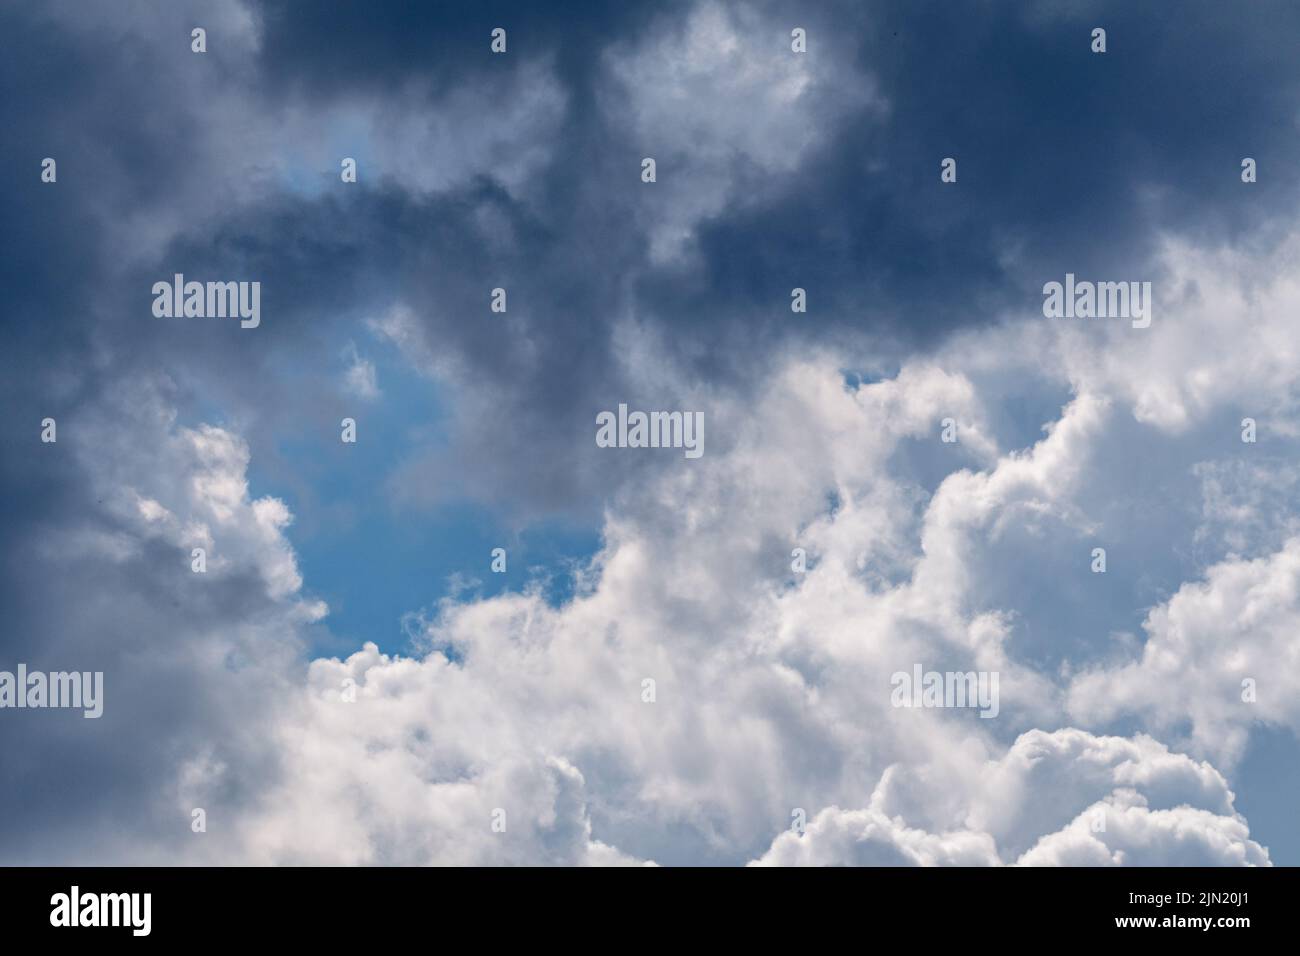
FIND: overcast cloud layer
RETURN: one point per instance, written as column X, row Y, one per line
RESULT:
column 1124, row 735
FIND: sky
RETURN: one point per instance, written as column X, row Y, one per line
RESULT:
column 685, row 660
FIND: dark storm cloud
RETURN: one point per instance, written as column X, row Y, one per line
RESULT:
column 329, row 49
column 1068, row 161
column 1073, row 159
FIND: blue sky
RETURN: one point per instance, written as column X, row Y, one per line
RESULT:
column 650, row 680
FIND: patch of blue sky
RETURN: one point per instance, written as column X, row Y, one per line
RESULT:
column 374, row 560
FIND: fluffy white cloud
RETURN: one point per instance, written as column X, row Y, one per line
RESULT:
column 1138, row 836
column 1072, row 798
column 869, row 838
column 190, row 492
column 1222, row 655
column 1221, row 339
column 772, row 688
column 771, row 692
column 423, row 767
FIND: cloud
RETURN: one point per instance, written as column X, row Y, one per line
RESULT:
column 768, row 697
column 1238, row 625
column 1136, row 836
column 771, row 689
column 727, row 110
column 777, row 170
column 1101, row 788
column 194, row 663
column 360, row 378
column 1197, row 360
column 390, row 786
column 868, row 838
